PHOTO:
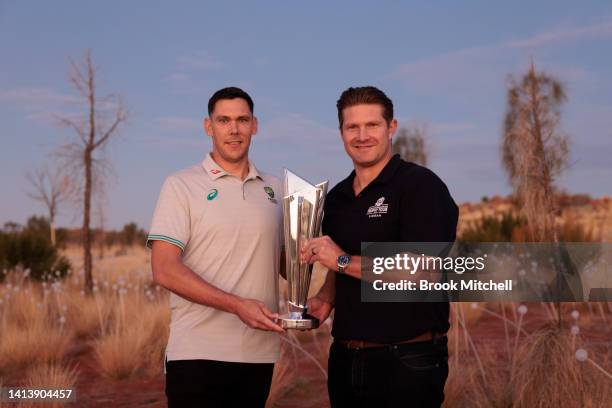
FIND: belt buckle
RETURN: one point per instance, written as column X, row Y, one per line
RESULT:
column 355, row 344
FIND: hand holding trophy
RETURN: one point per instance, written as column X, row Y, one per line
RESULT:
column 302, row 215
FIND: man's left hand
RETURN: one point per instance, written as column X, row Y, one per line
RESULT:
column 322, row 250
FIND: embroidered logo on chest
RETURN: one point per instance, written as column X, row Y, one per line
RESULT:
column 270, row 192
column 212, row 194
column 378, row 209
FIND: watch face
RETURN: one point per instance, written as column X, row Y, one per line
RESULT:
column 343, row 260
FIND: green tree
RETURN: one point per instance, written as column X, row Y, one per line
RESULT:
column 129, row 233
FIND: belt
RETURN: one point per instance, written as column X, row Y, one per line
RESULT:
column 361, row 344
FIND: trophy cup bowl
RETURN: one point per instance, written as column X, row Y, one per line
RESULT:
column 302, row 215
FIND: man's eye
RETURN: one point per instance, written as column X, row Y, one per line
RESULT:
column 372, row 125
column 243, row 120
column 222, row 120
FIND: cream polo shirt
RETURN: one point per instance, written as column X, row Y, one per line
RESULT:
column 230, row 232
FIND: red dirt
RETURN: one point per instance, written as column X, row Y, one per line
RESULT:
column 308, row 386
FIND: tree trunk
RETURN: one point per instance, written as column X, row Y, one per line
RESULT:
column 52, row 221
column 548, row 231
column 52, row 228
column 102, row 237
column 86, row 232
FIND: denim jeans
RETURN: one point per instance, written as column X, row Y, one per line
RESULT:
column 402, row 375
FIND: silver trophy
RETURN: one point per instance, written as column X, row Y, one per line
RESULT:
column 302, row 214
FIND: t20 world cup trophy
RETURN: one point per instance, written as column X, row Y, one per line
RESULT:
column 302, row 215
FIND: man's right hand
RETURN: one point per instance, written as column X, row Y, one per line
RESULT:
column 319, row 308
column 256, row 315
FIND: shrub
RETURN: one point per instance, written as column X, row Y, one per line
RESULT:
column 131, row 234
column 30, row 248
column 494, row 229
column 512, row 228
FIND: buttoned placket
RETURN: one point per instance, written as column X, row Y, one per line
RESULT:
column 244, row 183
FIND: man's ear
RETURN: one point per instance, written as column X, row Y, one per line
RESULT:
column 208, row 126
column 392, row 128
column 255, row 125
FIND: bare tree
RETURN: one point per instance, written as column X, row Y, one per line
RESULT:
column 100, row 215
column 410, row 143
column 534, row 151
column 99, row 121
column 50, row 187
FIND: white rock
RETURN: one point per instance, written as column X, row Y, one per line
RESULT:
column 581, row 354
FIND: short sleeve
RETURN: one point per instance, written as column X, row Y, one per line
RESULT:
column 171, row 217
column 429, row 214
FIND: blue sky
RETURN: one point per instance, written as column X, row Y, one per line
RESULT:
column 445, row 64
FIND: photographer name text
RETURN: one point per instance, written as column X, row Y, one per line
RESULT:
column 451, row 285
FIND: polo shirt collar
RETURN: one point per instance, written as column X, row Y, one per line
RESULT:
column 389, row 170
column 215, row 171
column 253, row 173
column 384, row 177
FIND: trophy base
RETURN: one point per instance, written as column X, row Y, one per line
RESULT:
column 306, row 323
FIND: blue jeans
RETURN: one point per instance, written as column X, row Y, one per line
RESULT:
column 402, row 375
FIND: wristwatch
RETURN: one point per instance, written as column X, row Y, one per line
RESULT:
column 343, row 262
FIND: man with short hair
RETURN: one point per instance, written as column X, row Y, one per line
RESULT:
column 216, row 246
column 383, row 354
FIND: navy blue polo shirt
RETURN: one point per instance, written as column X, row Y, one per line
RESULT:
column 405, row 203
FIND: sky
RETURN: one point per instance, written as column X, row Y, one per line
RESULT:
column 442, row 63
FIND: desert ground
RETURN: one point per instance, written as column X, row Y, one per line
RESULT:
column 110, row 346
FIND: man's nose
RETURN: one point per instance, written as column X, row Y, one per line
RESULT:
column 362, row 133
column 233, row 127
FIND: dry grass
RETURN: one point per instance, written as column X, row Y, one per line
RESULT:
column 37, row 343
column 32, row 332
column 133, row 345
column 542, row 371
column 126, row 325
column 52, row 376
column 86, row 315
column 467, row 387
column 548, row 375
column 126, row 321
column 131, row 265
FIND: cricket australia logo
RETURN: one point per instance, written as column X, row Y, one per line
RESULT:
column 378, row 209
column 270, row 193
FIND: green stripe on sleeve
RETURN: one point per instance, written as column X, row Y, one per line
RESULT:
column 158, row 237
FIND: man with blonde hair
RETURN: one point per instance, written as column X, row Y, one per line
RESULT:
column 383, row 354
